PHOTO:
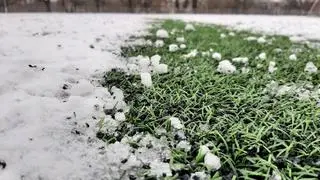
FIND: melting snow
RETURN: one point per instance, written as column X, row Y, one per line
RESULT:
column 310, row 68
column 226, row 67
column 176, row 123
column 222, row 35
column 161, row 69
column 155, row 60
column 243, row 60
column 293, row 57
column 162, row 33
column 216, row 56
column 146, row 79
column 272, row 67
column 159, row 43
column 189, row 27
column 50, row 104
column 180, row 39
column 212, row 161
column 261, row 40
column 173, row 48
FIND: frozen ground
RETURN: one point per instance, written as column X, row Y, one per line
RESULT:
column 46, row 94
column 48, row 88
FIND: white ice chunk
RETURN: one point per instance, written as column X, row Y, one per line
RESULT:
column 226, row 67
column 146, row 79
column 162, row 33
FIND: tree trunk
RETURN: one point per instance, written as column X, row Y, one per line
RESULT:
column 48, row 5
column 98, row 5
column 5, row 6
column 130, row 5
column 194, row 5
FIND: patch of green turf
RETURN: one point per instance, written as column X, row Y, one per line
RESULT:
column 253, row 133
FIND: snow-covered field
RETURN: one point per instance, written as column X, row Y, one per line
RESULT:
column 50, row 99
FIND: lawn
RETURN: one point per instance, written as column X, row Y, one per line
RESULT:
column 258, row 114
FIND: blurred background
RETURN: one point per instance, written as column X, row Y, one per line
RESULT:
column 296, row 7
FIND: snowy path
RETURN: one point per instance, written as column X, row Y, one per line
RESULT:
column 47, row 99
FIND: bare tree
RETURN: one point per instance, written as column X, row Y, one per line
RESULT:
column 194, row 5
column 74, row 5
column 146, row 5
column 6, row 3
column 47, row 4
column 5, row 6
column 314, row 4
column 129, row 4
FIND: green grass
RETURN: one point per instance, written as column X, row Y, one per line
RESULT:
column 253, row 133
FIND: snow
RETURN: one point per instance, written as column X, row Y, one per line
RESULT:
column 275, row 176
column 293, row 57
column 261, row 40
column 226, row 67
column 212, row 161
column 183, row 46
column 203, row 150
column 159, row 168
column 173, row 47
column 216, row 56
column 191, row 54
column 180, row 39
column 149, row 42
column 243, row 60
column 146, row 79
column 272, row 67
column 43, row 105
column 232, row 34
column 162, row 33
column 251, row 38
column 144, row 62
column 161, row 69
column 159, row 43
column 272, row 25
column 245, row 70
column 185, row 145
column 46, row 125
column 120, row 116
column 278, row 50
column 199, row 175
column 189, row 27
column 176, row 123
column 155, row 60
column 310, row 68
column 222, row 35
column 262, row 56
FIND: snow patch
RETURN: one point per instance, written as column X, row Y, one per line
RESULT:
column 176, row 123
column 159, row 43
column 217, row 56
column 180, row 39
column 262, row 56
column 211, row 161
column 183, row 46
column 243, row 60
column 162, row 33
column 272, row 67
column 161, row 69
column 146, row 79
column 189, row 27
column 310, row 68
column 226, row 67
column 293, row 57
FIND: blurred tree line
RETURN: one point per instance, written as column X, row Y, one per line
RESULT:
column 166, row 6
